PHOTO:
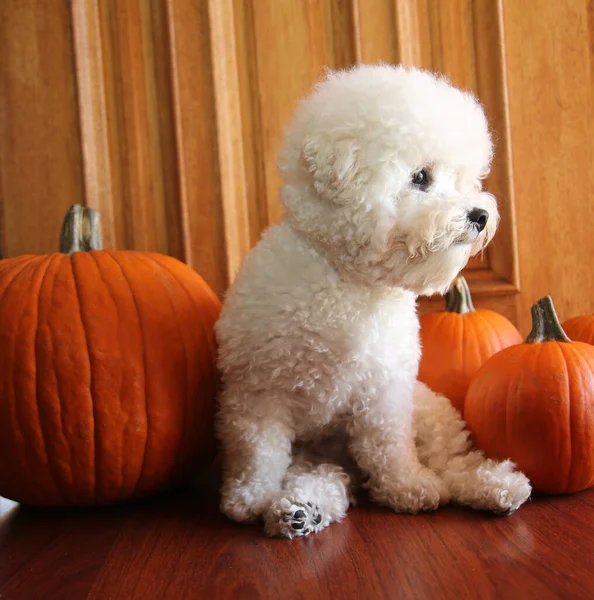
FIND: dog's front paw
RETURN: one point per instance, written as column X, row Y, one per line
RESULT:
column 422, row 491
column 291, row 518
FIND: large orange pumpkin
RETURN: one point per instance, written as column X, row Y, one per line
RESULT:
column 457, row 342
column 107, row 372
column 580, row 329
column 534, row 403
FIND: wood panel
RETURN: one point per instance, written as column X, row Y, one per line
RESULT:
column 40, row 150
column 552, row 128
column 282, row 49
column 168, row 116
column 182, row 105
column 197, row 142
column 292, row 47
column 491, row 85
column 230, row 140
column 421, row 33
column 125, row 102
column 417, row 33
column 147, row 99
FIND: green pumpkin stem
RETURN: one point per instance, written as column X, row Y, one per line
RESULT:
column 545, row 323
column 458, row 298
column 81, row 230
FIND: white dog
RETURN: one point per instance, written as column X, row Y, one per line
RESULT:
column 319, row 333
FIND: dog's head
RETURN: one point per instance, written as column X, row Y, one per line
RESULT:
column 383, row 168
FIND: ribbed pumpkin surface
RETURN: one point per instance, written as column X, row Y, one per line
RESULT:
column 107, row 376
column 580, row 329
column 534, row 403
column 455, row 346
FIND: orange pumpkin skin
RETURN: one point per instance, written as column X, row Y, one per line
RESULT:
column 107, row 376
column 580, row 329
column 455, row 345
column 534, row 403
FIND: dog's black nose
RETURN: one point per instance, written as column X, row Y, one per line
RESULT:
column 478, row 217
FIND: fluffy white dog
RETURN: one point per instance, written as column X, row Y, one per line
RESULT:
column 319, row 335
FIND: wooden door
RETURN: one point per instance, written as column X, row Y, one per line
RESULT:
column 167, row 116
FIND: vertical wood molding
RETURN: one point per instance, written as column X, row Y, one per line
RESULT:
column 453, row 21
column 347, row 36
column 40, row 153
column 179, row 108
column 464, row 39
column 413, row 35
column 138, row 142
column 88, row 53
column 492, row 88
column 292, row 45
column 183, row 199
column 229, row 133
column 375, row 34
column 251, row 119
column 167, row 153
column 550, row 83
column 195, row 125
column 126, row 124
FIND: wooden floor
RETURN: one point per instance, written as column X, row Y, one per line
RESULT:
column 177, row 546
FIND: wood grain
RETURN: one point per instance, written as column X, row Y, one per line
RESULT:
column 168, row 116
column 230, row 141
column 40, row 151
column 376, row 34
column 292, row 47
column 416, row 33
column 195, row 124
column 126, row 117
column 552, row 127
column 491, row 85
column 494, row 276
column 346, row 33
column 179, row 546
column 93, row 113
column 253, row 155
column 138, row 138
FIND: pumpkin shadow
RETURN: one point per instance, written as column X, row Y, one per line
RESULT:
column 195, row 502
column 559, row 499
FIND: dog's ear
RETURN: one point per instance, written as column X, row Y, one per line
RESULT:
column 334, row 165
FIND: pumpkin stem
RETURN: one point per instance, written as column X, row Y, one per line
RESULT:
column 81, row 230
column 458, row 298
column 545, row 323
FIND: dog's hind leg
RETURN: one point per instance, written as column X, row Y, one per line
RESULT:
column 444, row 446
column 312, row 497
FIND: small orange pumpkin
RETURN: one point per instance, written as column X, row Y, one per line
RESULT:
column 580, row 329
column 457, row 342
column 107, row 372
column 534, row 403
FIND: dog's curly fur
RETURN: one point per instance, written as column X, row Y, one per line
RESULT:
column 319, row 334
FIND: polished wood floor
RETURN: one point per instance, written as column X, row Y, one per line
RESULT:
column 178, row 547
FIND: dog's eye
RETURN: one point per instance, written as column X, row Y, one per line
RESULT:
column 421, row 178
